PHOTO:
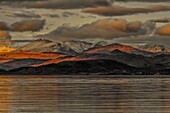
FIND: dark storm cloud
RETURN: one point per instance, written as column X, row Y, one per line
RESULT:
column 56, row 4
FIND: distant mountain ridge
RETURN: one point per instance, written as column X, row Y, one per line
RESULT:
column 68, row 47
column 76, row 47
column 86, row 67
column 42, row 45
column 79, row 57
column 116, row 46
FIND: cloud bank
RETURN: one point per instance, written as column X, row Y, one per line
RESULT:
column 120, row 10
column 28, row 25
column 104, row 28
column 25, row 25
column 57, row 4
column 161, row 20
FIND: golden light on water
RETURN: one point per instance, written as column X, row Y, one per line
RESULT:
column 6, row 90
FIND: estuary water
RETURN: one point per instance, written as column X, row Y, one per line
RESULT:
column 62, row 94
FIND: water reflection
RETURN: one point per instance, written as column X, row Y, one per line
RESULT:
column 85, row 95
column 5, row 94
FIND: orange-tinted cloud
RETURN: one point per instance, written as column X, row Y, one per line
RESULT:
column 134, row 26
column 164, row 30
column 120, row 10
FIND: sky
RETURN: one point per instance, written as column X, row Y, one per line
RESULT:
column 89, row 20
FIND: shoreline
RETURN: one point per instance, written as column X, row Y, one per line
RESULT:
column 88, row 76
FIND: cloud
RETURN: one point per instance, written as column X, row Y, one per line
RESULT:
column 67, row 14
column 25, row 25
column 104, row 28
column 52, row 15
column 121, row 10
column 4, row 26
column 5, row 38
column 161, row 20
column 134, row 26
column 57, row 4
column 26, row 14
column 28, row 25
column 145, row 39
column 164, row 30
column 4, row 35
column 100, row 29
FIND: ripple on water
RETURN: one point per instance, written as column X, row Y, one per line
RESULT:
column 84, row 95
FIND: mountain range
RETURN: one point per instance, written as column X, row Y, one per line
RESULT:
column 45, row 57
column 155, row 48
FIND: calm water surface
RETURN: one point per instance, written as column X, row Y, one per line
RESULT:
column 84, row 95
